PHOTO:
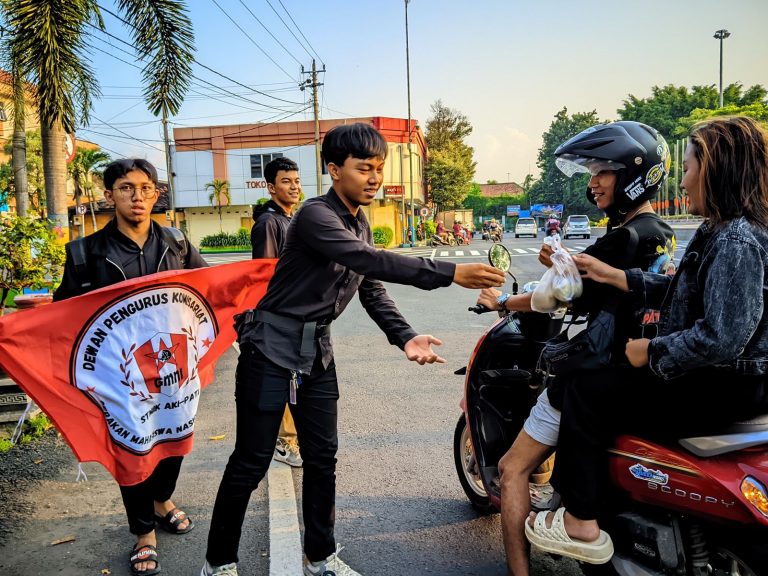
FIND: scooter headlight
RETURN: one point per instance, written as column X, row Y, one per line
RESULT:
column 756, row 494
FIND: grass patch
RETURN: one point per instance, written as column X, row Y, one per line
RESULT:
column 210, row 250
column 32, row 429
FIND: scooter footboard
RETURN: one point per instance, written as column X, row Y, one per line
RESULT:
column 505, row 398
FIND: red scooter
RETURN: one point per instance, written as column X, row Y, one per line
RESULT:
column 698, row 506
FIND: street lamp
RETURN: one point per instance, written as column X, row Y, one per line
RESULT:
column 409, row 220
column 721, row 35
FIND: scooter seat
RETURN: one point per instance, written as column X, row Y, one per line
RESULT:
column 734, row 437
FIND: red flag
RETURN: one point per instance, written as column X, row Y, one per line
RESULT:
column 119, row 370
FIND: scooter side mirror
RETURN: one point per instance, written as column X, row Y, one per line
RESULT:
column 500, row 258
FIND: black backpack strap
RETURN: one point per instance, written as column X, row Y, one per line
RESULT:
column 176, row 237
column 80, row 261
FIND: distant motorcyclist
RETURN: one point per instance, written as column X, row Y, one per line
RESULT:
column 441, row 231
column 553, row 226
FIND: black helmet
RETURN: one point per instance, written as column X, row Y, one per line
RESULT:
column 637, row 152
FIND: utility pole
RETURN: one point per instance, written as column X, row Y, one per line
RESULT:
column 314, row 84
column 169, row 168
column 721, row 35
column 409, row 218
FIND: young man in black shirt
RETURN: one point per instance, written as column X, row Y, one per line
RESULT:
column 267, row 238
column 286, row 353
column 130, row 246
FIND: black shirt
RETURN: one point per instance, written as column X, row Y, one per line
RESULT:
column 135, row 261
column 329, row 256
column 655, row 252
column 269, row 229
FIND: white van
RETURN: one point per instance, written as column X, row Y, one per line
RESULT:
column 577, row 225
column 525, row 227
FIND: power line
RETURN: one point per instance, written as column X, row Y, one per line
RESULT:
column 297, row 28
column 129, row 135
column 251, row 39
column 269, row 32
column 117, row 16
column 210, row 84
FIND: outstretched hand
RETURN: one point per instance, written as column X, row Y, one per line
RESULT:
column 419, row 349
column 599, row 271
column 478, row 276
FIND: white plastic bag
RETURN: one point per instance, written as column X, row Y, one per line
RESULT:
column 560, row 284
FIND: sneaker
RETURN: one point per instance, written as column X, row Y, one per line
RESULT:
column 288, row 452
column 224, row 570
column 331, row 566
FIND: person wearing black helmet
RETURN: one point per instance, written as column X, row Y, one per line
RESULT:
column 628, row 163
column 705, row 366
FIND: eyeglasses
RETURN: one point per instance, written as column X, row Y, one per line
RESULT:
column 128, row 190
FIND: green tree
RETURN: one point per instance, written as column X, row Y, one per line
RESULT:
column 50, row 45
column 758, row 111
column 451, row 166
column 667, row 104
column 219, row 196
column 30, row 256
column 83, row 167
column 554, row 187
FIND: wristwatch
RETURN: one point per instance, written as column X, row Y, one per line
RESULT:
column 502, row 300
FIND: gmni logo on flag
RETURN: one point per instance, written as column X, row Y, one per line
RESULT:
column 137, row 360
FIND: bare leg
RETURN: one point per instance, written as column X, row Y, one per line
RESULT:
column 515, row 467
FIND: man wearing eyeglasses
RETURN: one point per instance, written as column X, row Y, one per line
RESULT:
column 129, row 246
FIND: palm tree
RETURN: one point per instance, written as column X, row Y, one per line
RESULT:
column 84, row 165
column 219, row 196
column 50, row 41
column 19, row 147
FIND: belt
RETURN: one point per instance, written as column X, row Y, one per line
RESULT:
column 310, row 331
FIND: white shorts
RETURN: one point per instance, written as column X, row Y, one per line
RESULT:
column 543, row 424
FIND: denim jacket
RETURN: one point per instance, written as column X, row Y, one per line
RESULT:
column 713, row 310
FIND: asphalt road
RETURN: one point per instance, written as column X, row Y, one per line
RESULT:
column 400, row 507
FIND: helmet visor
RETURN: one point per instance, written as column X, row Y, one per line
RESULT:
column 570, row 164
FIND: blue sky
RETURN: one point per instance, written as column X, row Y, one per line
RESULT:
column 509, row 66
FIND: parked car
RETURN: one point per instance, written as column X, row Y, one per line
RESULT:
column 577, row 225
column 525, row 227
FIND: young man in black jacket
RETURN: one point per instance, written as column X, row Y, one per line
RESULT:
column 129, row 246
column 286, row 353
column 267, row 238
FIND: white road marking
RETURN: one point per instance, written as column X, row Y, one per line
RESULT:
column 444, row 253
column 459, row 252
column 285, row 556
column 433, row 254
column 475, row 252
column 519, row 250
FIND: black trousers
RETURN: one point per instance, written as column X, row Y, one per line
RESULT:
column 599, row 405
column 139, row 499
column 261, row 393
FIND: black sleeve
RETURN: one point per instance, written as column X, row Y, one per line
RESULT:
column 265, row 238
column 320, row 228
column 383, row 310
column 194, row 258
column 71, row 285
